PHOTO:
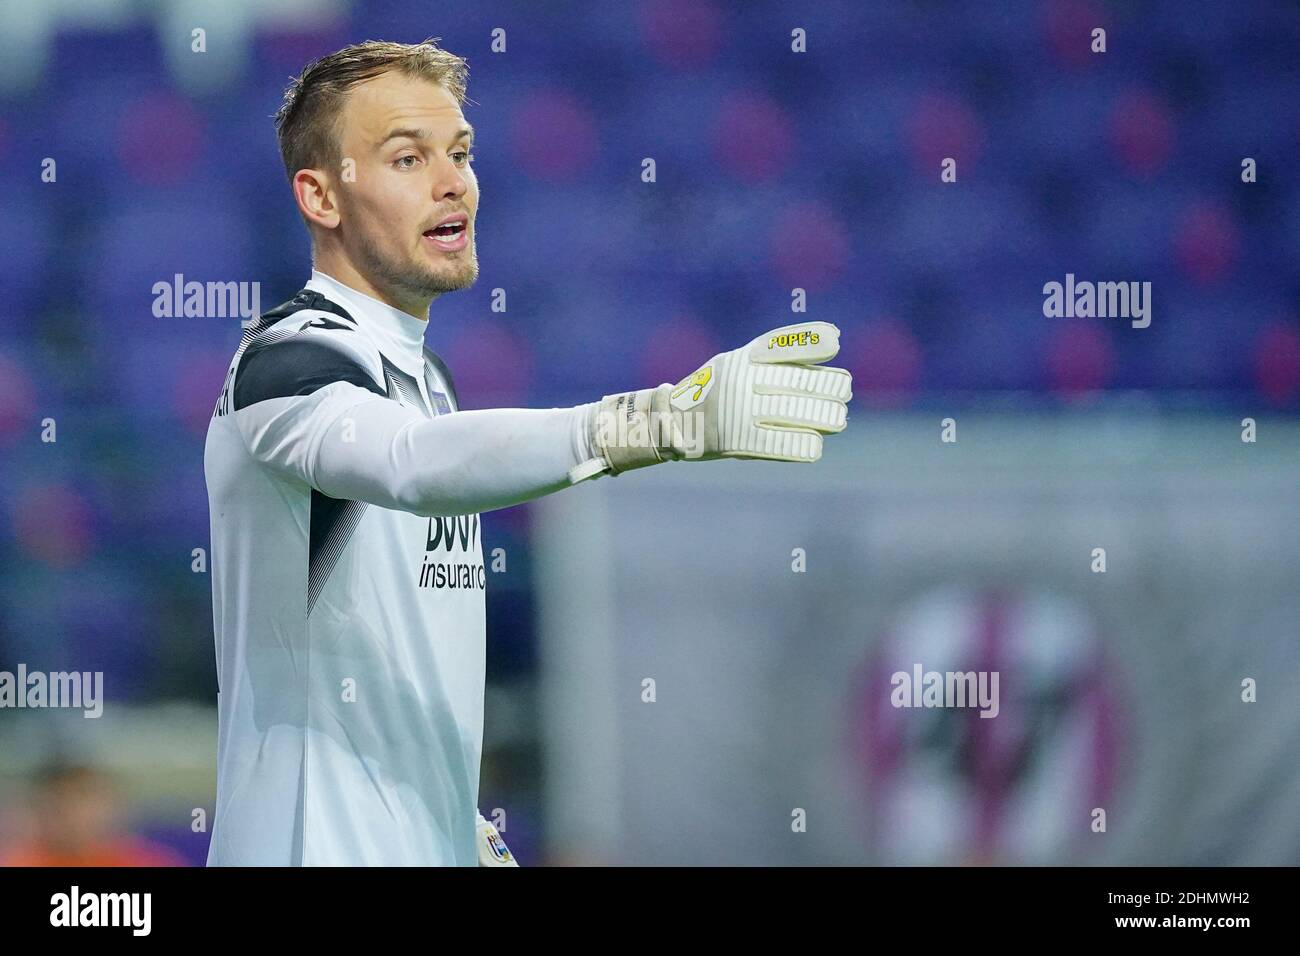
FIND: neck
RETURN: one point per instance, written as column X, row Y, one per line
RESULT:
column 398, row 334
column 341, row 269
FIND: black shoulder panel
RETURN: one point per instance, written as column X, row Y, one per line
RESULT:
column 298, row 365
column 305, row 299
column 436, row 360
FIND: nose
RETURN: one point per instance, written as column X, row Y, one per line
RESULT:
column 450, row 181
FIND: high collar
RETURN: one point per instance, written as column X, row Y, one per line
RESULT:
column 398, row 335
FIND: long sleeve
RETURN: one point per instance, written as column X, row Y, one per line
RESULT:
column 348, row 441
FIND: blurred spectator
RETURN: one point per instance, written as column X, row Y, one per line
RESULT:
column 76, row 821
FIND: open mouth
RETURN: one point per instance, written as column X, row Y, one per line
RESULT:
column 450, row 236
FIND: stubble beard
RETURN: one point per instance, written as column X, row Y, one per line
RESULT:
column 420, row 280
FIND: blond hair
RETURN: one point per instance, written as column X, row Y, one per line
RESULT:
column 307, row 119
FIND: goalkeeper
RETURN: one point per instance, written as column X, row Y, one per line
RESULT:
column 345, row 484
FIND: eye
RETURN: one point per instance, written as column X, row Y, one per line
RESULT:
column 462, row 156
column 401, row 161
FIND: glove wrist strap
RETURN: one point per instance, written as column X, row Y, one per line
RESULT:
column 590, row 468
column 625, row 428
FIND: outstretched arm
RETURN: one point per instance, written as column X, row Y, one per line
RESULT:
column 349, row 443
column 329, row 425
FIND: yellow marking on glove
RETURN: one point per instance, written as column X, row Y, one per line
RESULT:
column 805, row 337
column 698, row 381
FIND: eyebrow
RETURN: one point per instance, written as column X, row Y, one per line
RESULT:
column 405, row 133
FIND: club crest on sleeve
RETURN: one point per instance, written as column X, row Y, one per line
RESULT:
column 497, row 846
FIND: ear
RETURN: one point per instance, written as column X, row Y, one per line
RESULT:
column 314, row 191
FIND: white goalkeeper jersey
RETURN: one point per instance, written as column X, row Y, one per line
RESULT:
column 348, row 584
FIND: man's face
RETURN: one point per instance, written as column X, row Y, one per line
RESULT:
column 411, row 145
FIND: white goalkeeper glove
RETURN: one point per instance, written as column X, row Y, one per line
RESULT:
column 770, row 399
column 492, row 850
